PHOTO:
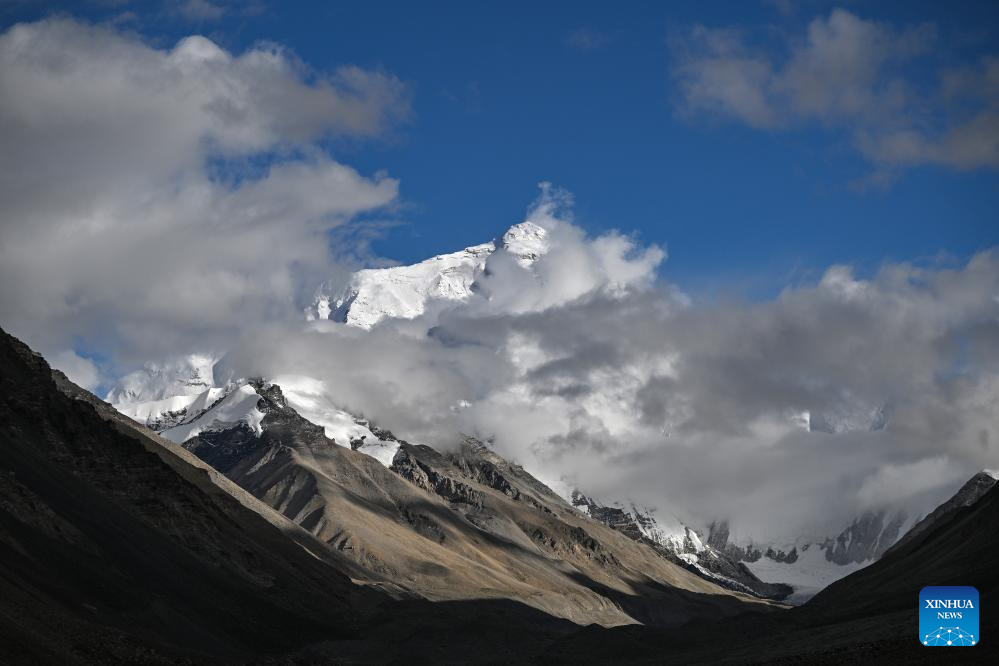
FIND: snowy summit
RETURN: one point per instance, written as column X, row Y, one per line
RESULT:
column 406, row 292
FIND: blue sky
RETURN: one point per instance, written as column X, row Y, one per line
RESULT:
column 588, row 96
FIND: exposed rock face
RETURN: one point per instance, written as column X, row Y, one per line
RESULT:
column 429, row 479
column 867, row 538
column 612, row 516
column 718, row 534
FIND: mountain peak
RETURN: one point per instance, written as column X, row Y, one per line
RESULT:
column 406, row 292
column 527, row 241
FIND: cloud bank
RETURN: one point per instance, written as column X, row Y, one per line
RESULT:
column 161, row 199
column 865, row 78
column 624, row 387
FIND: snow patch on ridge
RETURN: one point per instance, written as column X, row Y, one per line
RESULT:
column 308, row 396
column 168, row 412
column 238, row 406
column 155, row 411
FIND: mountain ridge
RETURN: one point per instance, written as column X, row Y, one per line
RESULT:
column 430, row 520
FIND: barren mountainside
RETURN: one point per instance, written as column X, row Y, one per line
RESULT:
column 447, row 525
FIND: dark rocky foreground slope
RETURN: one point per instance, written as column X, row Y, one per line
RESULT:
column 111, row 544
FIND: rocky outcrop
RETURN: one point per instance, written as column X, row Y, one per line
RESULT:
column 426, row 477
column 718, row 535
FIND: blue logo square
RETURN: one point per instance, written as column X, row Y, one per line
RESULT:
column 948, row 616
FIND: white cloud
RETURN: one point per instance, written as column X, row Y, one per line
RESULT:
column 573, row 267
column 847, row 73
column 893, row 483
column 81, row 371
column 135, row 210
column 639, row 392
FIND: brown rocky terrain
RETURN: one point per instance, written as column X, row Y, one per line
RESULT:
column 459, row 525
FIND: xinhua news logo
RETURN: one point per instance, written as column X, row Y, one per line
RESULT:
column 948, row 616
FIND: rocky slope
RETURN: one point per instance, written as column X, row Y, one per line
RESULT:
column 683, row 545
column 458, row 525
column 788, row 571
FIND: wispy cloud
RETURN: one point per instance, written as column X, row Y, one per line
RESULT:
column 201, row 10
column 207, row 11
column 587, row 39
column 591, row 373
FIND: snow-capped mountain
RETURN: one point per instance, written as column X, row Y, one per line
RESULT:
column 680, row 543
column 811, row 563
column 437, row 523
column 406, row 292
column 182, row 401
column 764, row 569
column 224, row 425
column 216, row 409
column 850, row 417
column 171, row 411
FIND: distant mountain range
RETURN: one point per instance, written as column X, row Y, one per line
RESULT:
column 262, row 536
column 438, row 524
